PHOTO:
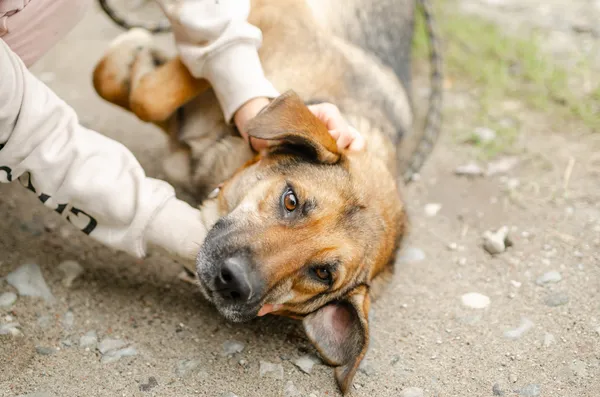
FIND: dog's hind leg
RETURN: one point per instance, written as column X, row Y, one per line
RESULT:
column 135, row 76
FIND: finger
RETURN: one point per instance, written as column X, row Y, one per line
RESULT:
column 344, row 140
column 358, row 143
column 329, row 114
column 335, row 134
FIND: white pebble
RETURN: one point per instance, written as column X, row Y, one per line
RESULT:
column 110, row 344
column 432, row 209
column 411, row 392
column 549, row 278
column 475, row 300
column 306, row 363
column 10, row 329
column 116, row 355
column 515, row 283
column 496, row 242
column 526, row 325
column 232, row 347
column 470, row 169
column 28, row 281
column 484, row 134
column 271, row 370
column 7, row 299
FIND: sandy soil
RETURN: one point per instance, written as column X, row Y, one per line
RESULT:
column 422, row 334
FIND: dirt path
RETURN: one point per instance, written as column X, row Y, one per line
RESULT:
column 532, row 340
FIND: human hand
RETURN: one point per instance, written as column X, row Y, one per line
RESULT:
column 345, row 136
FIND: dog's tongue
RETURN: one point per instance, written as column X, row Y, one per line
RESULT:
column 268, row 308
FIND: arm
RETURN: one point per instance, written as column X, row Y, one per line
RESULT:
column 91, row 180
column 216, row 43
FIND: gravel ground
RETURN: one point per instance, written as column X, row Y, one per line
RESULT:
column 457, row 321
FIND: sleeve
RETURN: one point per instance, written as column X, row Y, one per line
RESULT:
column 92, row 181
column 216, row 43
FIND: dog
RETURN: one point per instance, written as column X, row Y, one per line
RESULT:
column 302, row 229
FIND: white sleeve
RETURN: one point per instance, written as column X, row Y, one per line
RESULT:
column 216, row 42
column 92, row 181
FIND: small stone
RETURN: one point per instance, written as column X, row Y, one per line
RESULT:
column 515, row 284
column 115, row 355
column 556, row 299
column 45, row 351
column 271, row 370
column 549, row 278
column 525, row 325
column 501, row 166
column 412, row 255
column 152, row 383
column 411, row 392
column 475, row 300
column 67, row 342
column 530, row 391
column 496, row 242
column 484, row 135
column 71, row 271
column 367, row 368
column 185, row 367
column 290, row 390
column 496, row 390
column 7, row 299
column 452, row 246
column 512, row 378
column 231, row 347
column 512, row 184
column 470, row 169
column 68, row 320
column 549, row 340
column 111, row 344
column 432, row 209
column 306, row 362
column 28, row 281
column 11, row 329
column 90, row 339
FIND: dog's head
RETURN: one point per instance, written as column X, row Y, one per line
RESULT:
column 307, row 230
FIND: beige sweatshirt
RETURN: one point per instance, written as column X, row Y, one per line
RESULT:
column 96, row 183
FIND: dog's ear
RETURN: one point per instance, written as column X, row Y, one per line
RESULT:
column 340, row 332
column 288, row 119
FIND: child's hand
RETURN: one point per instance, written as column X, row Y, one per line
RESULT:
column 347, row 137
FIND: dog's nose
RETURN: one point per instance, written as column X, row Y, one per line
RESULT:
column 234, row 281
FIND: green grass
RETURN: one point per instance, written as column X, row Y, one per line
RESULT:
column 505, row 67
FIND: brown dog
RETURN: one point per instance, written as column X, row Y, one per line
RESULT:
column 302, row 229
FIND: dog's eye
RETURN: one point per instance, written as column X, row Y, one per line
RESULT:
column 290, row 202
column 323, row 273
